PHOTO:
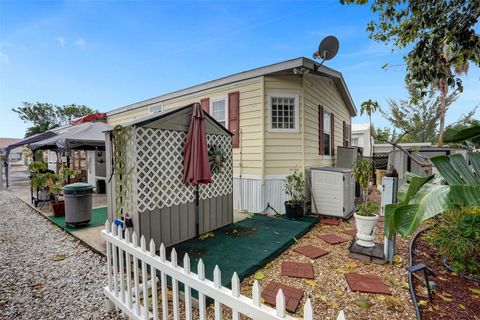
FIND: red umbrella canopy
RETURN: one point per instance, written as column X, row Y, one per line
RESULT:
column 196, row 168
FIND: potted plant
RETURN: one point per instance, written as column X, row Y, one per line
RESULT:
column 55, row 185
column 366, row 216
column 294, row 186
column 38, row 179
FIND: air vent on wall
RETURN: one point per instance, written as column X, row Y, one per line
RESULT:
column 155, row 108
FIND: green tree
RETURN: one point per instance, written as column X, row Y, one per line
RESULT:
column 43, row 116
column 438, row 35
column 369, row 107
column 381, row 135
column 467, row 120
column 46, row 116
column 419, row 115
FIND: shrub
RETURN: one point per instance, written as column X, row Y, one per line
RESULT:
column 294, row 186
column 372, row 209
column 457, row 236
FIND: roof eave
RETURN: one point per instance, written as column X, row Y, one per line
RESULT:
column 250, row 74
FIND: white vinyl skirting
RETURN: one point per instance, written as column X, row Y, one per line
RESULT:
column 251, row 195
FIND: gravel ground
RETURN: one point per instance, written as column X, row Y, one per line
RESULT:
column 329, row 292
column 44, row 272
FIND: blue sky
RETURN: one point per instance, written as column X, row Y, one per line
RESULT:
column 108, row 54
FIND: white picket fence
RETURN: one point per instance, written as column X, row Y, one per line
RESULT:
column 138, row 297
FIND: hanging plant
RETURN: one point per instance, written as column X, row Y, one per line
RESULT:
column 216, row 158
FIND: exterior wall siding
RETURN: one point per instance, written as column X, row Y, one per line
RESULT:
column 247, row 159
column 321, row 91
column 283, row 150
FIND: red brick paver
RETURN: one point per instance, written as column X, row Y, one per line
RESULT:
column 351, row 232
column 330, row 221
column 366, row 283
column 297, row 270
column 293, row 296
column 311, row 251
column 332, row 238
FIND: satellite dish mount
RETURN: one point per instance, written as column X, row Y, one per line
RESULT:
column 327, row 49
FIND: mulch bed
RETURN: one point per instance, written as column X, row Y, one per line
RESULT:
column 452, row 298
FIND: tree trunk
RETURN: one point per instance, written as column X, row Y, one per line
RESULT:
column 443, row 96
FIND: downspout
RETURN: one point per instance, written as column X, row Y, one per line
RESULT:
column 302, row 126
column 262, row 178
column 240, row 170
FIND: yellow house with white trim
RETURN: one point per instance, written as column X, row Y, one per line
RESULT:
column 285, row 116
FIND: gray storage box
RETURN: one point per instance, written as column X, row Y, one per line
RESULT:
column 78, row 203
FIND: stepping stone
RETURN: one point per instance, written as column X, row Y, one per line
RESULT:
column 311, row 251
column 330, row 221
column 293, row 296
column 351, row 232
column 366, row 283
column 297, row 270
column 332, row 238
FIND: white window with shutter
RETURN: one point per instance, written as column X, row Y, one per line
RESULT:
column 348, row 129
column 327, row 133
column 283, row 113
column 219, row 110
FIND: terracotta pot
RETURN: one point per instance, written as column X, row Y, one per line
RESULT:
column 366, row 229
column 58, row 208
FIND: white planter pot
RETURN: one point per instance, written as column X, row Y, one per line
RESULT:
column 366, row 229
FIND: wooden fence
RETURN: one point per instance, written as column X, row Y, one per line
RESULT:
column 137, row 278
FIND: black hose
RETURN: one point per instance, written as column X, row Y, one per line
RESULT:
column 410, row 274
column 463, row 275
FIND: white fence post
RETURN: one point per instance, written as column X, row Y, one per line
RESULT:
column 120, row 251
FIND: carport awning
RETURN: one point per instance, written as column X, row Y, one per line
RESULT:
column 85, row 136
column 28, row 140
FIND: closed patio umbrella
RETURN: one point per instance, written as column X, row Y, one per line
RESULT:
column 196, row 168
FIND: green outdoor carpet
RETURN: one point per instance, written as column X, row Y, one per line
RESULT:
column 244, row 247
column 99, row 216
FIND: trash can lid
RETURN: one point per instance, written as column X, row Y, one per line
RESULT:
column 78, row 186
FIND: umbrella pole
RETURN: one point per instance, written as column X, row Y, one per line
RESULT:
column 197, row 211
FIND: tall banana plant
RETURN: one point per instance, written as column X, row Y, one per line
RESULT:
column 425, row 197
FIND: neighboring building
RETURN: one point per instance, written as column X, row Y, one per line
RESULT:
column 360, row 136
column 422, row 151
column 286, row 116
column 16, row 157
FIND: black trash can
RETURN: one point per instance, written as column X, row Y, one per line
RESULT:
column 78, row 203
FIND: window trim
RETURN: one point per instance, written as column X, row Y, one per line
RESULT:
column 216, row 99
column 296, row 110
column 327, row 110
column 348, row 134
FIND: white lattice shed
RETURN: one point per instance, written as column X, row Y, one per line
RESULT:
column 146, row 178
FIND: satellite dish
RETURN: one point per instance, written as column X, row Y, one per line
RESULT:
column 327, row 49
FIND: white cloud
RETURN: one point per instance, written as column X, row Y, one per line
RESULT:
column 61, row 41
column 81, row 43
column 3, row 57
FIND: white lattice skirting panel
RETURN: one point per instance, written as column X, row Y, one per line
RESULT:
column 159, row 169
column 222, row 182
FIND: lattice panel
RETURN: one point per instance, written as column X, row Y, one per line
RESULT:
column 123, row 169
column 160, row 169
column 222, row 182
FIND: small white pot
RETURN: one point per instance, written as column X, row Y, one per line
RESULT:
column 366, row 230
